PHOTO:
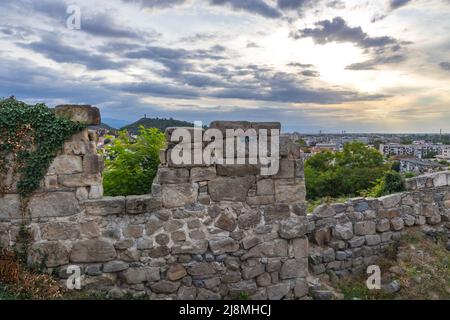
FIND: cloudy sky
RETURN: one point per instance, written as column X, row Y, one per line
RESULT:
column 330, row 65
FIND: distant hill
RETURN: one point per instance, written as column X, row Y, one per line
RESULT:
column 115, row 123
column 103, row 126
column 160, row 123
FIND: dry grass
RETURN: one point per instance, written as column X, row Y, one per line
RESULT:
column 19, row 282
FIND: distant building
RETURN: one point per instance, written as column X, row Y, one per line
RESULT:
column 417, row 150
column 418, row 166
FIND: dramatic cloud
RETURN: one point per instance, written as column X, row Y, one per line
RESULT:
column 395, row 4
column 445, row 65
column 156, row 3
column 292, row 4
column 373, row 63
column 52, row 48
column 253, row 6
column 337, row 30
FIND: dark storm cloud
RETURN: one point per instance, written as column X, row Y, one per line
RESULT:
column 52, row 48
column 252, row 6
column 373, row 63
column 395, row 4
column 292, row 4
column 156, row 3
column 445, row 65
column 337, row 30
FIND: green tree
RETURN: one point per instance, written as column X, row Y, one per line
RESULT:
column 391, row 182
column 132, row 163
column 344, row 173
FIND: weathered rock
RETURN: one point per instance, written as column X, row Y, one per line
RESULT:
column 343, row 232
column 176, row 272
column 179, row 195
column 52, row 253
column 249, row 220
column 223, row 245
column 294, row 268
column 323, row 211
column 60, row 231
column 383, row 225
column 203, row 174
column 300, row 246
column 168, row 175
column 10, row 207
column 365, row 228
column 322, row 236
column 252, row 268
column 140, row 275
column 133, row 231
column 165, row 286
column 226, row 221
column 250, row 242
column 278, row 291
column 248, row 286
column 237, row 170
column 198, row 247
column 115, row 266
column 265, row 187
column 144, row 244
column 301, row 288
column 105, row 206
column 276, row 248
column 152, row 225
column 65, row 164
column 397, row 224
column 86, row 114
column 276, row 212
column 391, row 200
column 142, row 204
column 230, row 188
column 92, row 251
column 286, row 170
column 53, row 204
column 289, row 192
column 372, row 240
column 201, row 269
column 294, row 227
column 187, row 293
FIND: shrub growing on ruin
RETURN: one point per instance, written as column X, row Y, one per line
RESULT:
column 132, row 163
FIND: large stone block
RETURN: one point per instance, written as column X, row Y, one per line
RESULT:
column 230, row 188
column 365, row 227
column 276, row 212
column 198, row 247
column 391, row 200
column 223, row 245
column 53, row 253
column 278, row 291
column 203, row 174
column 60, row 230
column 287, row 191
column 294, row 268
column 65, row 164
column 294, row 227
column 140, row 275
column 179, row 195
column 265, row 187
column 287, row 169
column 93, row 250
column 80, row 113
column 142, row 204
column 10, row 207
column 275, row 248
column 53, row 204
column 167, row 175
column 237, row 170
column 79, row 180
column 93, row 164
column 105, row 206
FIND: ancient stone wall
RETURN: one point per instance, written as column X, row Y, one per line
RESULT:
column 205, row 232
column 208, row 232
column 347, row 237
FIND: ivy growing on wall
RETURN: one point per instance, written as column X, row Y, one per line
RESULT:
column 30, row 138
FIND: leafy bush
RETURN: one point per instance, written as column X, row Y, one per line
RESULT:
column 131, row 163
column 391, row 182
column 343, row 173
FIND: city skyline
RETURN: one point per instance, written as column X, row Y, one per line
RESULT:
column 358, row 66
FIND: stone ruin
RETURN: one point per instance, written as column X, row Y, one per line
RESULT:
column 208, row 232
